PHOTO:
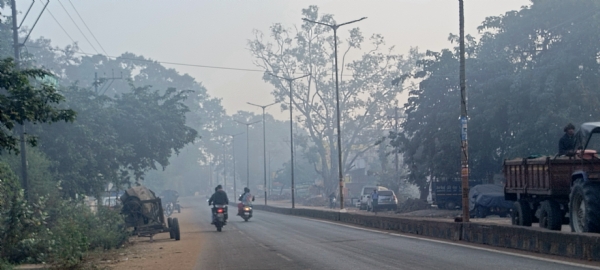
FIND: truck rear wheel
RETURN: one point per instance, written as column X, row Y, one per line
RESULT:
column 521, row 214
column 584, row 207
column 550, row 215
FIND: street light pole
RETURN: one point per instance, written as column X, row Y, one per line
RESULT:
column 247, row 150
column 337, row 102
column 290, row 80
column 264, row 144
column 233, row 159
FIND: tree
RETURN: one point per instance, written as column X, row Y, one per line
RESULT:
column 533, row 71
column 113, row 137
column 23, row 100
column 364, row 96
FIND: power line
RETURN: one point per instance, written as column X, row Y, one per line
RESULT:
column 61, row 27
column 92, row 33
column 160, row 62
column 149, row 60
column 76, row 25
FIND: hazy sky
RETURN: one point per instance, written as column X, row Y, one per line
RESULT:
column 215, row 33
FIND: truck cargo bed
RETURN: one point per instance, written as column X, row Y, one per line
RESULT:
column 544, row 175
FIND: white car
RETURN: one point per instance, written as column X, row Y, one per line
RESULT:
column 365, row 195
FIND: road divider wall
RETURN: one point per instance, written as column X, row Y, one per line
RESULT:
column 572, row 245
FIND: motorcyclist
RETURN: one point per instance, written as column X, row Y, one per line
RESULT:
column 219, row 198
column 245, row 199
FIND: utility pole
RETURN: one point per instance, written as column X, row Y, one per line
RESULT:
column 210, row 175
column 464, row 149
column 396, row 117
column 17, row 54
column 290, row 81
column 264, row 144
column 335, row 27
column 224, row 168
column 102, row 80
column 17, row 50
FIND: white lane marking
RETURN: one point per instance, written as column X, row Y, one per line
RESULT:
column 462, row 245
column 282, row 256
column 263, row 246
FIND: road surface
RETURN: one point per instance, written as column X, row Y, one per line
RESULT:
column 274, row 241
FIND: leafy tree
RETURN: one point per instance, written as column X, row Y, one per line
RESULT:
column 87, row 152
column 23, row 100
column 157, row 129
column 6, row 41
column 533, row 71
column 364, row 96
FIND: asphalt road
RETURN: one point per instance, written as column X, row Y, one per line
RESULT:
column 274, row 241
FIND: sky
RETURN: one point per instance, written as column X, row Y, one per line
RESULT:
column 216, row 32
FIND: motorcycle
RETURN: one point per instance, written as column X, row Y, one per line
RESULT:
column 168, row 208
column 246, row 212
column 219, row 216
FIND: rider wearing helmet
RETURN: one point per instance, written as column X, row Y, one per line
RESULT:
column 219, row 198
column 245, row 199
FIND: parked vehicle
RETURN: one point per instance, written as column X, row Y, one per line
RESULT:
column 365, row 195
column 142, row 210
column 546, row 188
column 387, row 201
column 488, row 199
column 219, row 216
column 448, row 194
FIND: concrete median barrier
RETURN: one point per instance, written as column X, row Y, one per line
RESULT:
column 572, row 245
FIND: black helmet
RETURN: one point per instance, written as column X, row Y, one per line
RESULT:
column 246, row 189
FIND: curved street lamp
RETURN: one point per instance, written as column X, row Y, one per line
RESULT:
column 264, row 144
column 247, row 149
column 290, row 80
column 337, row 101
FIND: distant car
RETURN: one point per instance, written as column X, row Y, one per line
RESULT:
column 365, row 195
column 387, row 201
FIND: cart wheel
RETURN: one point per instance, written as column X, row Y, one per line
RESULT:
column 176, row 229
column 170, row 224
column 550, row 215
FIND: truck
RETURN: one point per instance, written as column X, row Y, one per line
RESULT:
column 448, row 194
column 557, row 190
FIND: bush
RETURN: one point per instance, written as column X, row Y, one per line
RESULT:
column 77, row 230
column 20, row 222
column 52, row 230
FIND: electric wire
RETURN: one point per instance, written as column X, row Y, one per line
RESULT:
column 150, row 60
column 86, row 26
column 76, row 25
column 61, row 27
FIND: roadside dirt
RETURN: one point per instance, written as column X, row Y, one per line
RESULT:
column 163, row 253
